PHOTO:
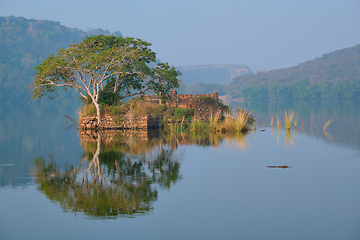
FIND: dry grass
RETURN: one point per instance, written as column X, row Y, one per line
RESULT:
column 289, row 117
column 143, row 107
column 278, row 122
column 328, row 123
column 87, row 110
column 325, row 126
column 213, row 122
column 241, row 119
column 235, row 122
column 197, row 125
column 295, row 122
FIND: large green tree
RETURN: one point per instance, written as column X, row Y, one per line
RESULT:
column 126, row 64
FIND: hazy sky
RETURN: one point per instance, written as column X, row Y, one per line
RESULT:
column 262, row 34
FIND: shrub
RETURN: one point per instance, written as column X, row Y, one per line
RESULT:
column 108, row 97
column 186, row 113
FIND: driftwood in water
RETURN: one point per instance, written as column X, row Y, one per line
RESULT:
column 283, row 166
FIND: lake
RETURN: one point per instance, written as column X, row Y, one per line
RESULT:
column 58, row 183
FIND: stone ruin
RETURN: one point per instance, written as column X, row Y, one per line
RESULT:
column 205, row 105
column 202, row 103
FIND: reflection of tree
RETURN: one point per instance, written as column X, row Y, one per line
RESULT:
column 109, row 183
column 118, row 173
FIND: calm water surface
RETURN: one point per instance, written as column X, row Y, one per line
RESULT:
column 59, row 184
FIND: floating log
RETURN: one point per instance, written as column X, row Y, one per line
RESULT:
column 283, row 166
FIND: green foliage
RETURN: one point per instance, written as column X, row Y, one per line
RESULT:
column 255, row 92
column 108, row 97
column 186, row 113
column 198, row 126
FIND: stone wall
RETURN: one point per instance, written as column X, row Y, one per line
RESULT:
column 129, row 121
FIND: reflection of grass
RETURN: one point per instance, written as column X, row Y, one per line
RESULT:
column 328, row 135
column 289, row 138
column 206, row 138
column 236, row 141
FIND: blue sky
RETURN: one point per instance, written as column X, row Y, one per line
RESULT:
column 262, row 34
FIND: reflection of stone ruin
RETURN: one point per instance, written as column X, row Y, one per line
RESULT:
column 129, row 141
column 142, row 141
column 204, row 105
column 112, row 122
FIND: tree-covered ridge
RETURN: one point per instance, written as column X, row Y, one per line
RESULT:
column 302, row 89
column 212, row 73
column 26, row 40
column 327, row 72
column 25, row 43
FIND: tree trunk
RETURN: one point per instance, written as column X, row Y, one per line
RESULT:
column 98, row 113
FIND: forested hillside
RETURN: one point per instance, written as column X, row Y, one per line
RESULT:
column 212, row 73
column 334, row 75
column 24, row 44
column 209, row 78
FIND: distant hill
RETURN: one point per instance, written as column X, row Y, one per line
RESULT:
column 24, row 44
column 212, row 73
column 334, row 75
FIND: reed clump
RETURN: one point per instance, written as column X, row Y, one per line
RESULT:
column 278, row 122
column 213, row 122
column 328, row 123
column 236, row 121
column 289, row 117
column 296, row 121
column 196, row 125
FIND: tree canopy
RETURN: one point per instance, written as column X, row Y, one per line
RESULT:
column 123, row 64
